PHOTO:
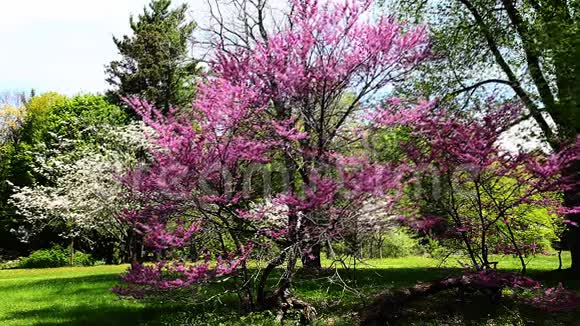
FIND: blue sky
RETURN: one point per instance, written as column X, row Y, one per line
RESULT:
column 62, row 45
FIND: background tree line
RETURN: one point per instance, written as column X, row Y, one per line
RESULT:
column 54, row 148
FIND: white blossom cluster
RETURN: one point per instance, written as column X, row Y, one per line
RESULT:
column 85, row 195
column 271, row 214
column 374, row 216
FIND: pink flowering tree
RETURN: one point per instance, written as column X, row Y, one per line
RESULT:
column 316, row 73
column 478, row 193
column 256, row 167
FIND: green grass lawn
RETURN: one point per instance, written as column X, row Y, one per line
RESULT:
column 82, row 296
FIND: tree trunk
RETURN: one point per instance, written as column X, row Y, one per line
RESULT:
column 311, row 260
column 560, row 259
column 331, row 254
column 382, row 310
column 572, row 199
column 134, row 248
column 574, row 246
column 72, row 252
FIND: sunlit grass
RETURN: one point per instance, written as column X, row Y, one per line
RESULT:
column 82, row 295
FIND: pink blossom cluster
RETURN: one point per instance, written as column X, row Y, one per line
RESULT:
column 163, row 275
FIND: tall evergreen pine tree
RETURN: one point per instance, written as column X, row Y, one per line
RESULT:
column 156, row 63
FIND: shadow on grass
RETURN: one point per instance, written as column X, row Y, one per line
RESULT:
column 368, row 280
column 451, row 309
column 88, row 300
column 87, row 315
column 447, row 308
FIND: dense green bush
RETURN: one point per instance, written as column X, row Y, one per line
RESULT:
column 45, row 258
column 52, row 117
column 55, row 257
column 399, row 243
column 434, row 248
column 393, row 243
column 83, row 259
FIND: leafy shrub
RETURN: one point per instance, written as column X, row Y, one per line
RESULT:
column 399, row 243
column 435, row 249
column 83, row 259
column 46, row 258
column 55, row 257
column 393, row 243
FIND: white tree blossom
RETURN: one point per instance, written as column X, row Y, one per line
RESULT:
column 85, row 192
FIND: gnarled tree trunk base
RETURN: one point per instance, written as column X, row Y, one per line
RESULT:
column 282, row 302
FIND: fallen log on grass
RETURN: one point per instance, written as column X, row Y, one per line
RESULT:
column 489, row 282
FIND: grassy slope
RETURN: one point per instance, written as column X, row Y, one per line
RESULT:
column 82, row 296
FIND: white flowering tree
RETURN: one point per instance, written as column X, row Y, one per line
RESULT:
column 11, row 118
column 84, row 195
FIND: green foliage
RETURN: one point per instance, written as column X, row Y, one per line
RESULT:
column 37, row 111
column 434, row 249
column 83, row 259
column 75, row 118
column 399, row 243
column 385, row 144
column 46, row 258
column 525, row 50
column 49, row 119
column 55, row 257
column 393, row 243
column 155, row 62
column 542, row 228
column 52, row 117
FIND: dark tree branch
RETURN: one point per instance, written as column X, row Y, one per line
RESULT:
column 477, row 85
column 516, row 85
column 532, row 55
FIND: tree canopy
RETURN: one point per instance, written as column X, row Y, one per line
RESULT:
column 156, row 62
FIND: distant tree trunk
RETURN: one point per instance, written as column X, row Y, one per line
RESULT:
column 381, row 241
column 72, row 252
column 134, row 248
column 311, row 261
column 560, row 259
